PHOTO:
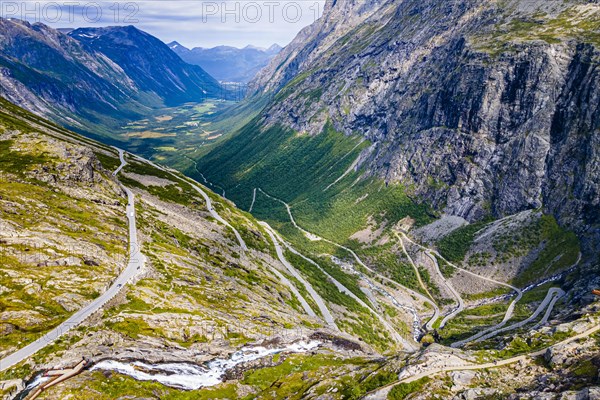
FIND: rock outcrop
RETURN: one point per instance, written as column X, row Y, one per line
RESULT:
column 483, row 107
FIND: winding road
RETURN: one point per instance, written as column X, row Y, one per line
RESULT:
column 136, row 262
column 413, row 293
column 416, row 269
column 207, row 199
column 551, row 298
column 309, row 235
column 253, row 200
column 216, row 216
column 459, row 300
column 314, row 237
column 553, row 295
column 436, row 309
column 509, row 312
column 382, row 392
column 343, row 289
column 307, row 309
column 318, row 300
column 546, row 316
column 201, row 175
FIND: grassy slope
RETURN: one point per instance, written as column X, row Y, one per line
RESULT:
column 556, row 248
column 298, row 169
column 82, row 225
column 164, row 296
column 575, row 22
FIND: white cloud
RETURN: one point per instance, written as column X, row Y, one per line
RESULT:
column 190, row 22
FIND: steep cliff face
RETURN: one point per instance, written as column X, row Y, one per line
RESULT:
column 44, row 70
column 483, row 107
column 339, row 18
column 150, row 63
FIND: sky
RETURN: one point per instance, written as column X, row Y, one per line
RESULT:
column 193, row 23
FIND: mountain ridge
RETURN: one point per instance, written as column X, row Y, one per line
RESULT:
column 466, row 102
column 76, row 84
column 227, row 63
column 136, row 51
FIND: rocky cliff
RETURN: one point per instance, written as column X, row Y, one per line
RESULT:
column 150, row 64
column 484, row 107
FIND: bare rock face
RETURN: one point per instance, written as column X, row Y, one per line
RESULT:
column 462, row 378
column 476, row 393
column 11, row 387
column 467, row 101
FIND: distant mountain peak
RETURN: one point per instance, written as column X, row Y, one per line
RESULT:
column 178, row 81
column 128, row 31
column 176, row 45
column 274, row 49
column 227, row 63
column 252, row 47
